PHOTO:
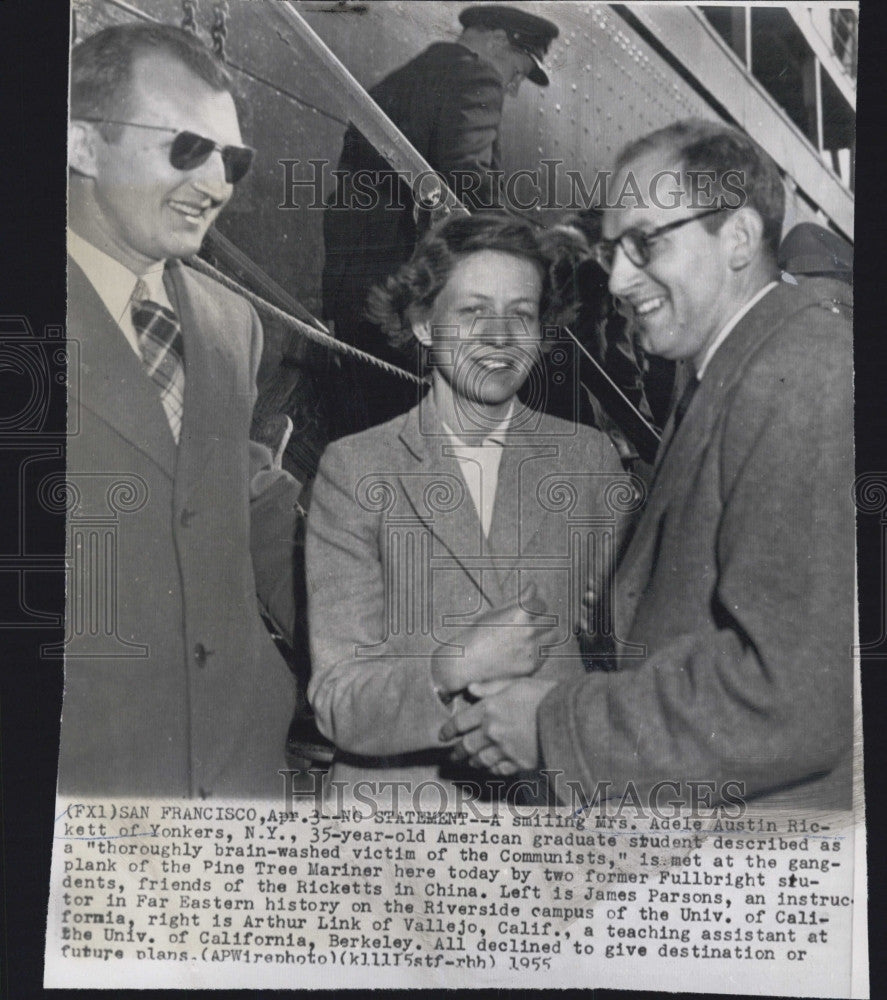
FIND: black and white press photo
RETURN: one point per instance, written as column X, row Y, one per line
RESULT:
column 460, row 498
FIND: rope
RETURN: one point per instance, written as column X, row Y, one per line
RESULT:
column 189, row 15
column 322, row 337
column 219, row 30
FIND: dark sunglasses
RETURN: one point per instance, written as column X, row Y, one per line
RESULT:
column 190, row 150
column 636, row 243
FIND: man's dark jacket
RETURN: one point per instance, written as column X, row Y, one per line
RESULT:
column 734, row 602
column 448, row 103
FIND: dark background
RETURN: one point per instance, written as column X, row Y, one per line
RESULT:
column 33, row 82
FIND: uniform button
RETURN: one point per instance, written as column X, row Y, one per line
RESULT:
column 185, row 517
column 201, row 653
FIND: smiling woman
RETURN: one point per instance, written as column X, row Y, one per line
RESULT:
column 439, row 545
column 471, row 297
column 483, row 330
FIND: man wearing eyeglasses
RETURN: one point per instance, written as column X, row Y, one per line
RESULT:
column 736, row 591
column 173, row 685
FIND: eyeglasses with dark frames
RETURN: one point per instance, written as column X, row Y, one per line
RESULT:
column 636, row 243
column 190, row 150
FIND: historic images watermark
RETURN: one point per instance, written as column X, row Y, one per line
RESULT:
column 551, row 185
column 37, row 368
column 431, row 800
column 413, row 506
column 870, row 499
column 42, row 369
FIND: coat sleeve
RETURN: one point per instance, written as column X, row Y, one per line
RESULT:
column 276, row 527
column 761, row 693
column 464, row 144
column 623, row 496
column 366, row 703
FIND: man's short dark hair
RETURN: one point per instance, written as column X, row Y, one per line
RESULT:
column 101, row 66
column 728, row 153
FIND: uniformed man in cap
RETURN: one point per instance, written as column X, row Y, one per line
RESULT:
column 448, row 103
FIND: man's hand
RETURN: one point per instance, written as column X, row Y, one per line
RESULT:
column 499, row 731
column 504, row 642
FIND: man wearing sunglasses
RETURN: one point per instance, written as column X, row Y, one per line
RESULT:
column 173, row 685
column 736, row 591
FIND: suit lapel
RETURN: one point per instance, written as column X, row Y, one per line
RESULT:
column 208, row 385
column 111, row 380
column 517, row 514
column 680, row 452
column 438, row 495
column 505, row 527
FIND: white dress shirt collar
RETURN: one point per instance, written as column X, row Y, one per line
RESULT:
column 115, row 283
column 496, row 435
column 722, row 336
column 479, row 465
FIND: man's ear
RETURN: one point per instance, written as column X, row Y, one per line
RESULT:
column 745, row 231
column 83, row 140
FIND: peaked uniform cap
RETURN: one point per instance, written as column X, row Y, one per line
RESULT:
column 812, row 249
column 527, row 32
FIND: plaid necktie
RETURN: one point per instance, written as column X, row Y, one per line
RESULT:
column 163, row 353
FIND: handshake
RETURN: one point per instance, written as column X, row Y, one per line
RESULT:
column 501, row 667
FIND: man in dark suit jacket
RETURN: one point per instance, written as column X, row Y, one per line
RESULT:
column 448, row 103
column 737, row 587
column 173, row 686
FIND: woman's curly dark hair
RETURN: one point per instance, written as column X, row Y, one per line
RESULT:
column 415, row 286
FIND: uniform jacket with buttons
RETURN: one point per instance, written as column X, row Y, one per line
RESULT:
column 737, row 589
column 172, row 683
column 448, row 103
